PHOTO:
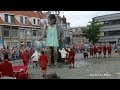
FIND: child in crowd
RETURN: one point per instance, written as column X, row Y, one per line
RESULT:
column 43, row 60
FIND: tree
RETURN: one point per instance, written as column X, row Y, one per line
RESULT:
column 92, row 31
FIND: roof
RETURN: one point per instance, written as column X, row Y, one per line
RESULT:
column 1, row 21
column 108, row 15
column 36, row 14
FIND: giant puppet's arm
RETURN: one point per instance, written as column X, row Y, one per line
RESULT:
column 43, row 33
column 58, row 31
column 32, row 56
column 59, row 50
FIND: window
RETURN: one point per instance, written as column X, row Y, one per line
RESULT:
column 7, row 45
column 6, row 32
column 14, row 44
column 34, row 21
column 112, row 22
column 112, row 33
column 26, row 20
column 21, row 19
column 38, row 21
column 9, row 18
column 12, row 18
column 73, row 35
column 45, row 22
column 21, row 34
column 67, row 40
column 28, row 33
column 29, row 44
column 6, row 17
column 106, row 33
column 40, row 32
column 15, row 32
column 34, row 32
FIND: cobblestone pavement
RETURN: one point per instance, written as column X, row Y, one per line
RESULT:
column 95, row 68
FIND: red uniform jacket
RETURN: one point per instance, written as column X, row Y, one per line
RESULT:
column 104, row 48
column 71, row 55
column 99, row 49
column 95, row 50
column 25, row 56
column 43, row 60
column 91, row 51
column 109, row 48
column 6, row 68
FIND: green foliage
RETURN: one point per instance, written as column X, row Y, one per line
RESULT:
column 92, row 31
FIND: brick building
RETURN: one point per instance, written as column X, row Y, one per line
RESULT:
column 21, row 28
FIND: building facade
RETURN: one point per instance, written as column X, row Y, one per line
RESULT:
column 21, row 28
column 110, row 32
column 74, row 35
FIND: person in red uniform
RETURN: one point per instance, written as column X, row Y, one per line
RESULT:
column 43, row 60
column 109, row 49
column 71, row 57
column 104, row 50
column 25, row 57
column 6, row 67
column 23, row 75
column 95, row 51
column 91, row 52
column 99, row 51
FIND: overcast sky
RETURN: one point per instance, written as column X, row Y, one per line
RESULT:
column 81, row 18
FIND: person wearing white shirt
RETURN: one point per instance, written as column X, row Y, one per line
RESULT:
column 63, row 54
column 35, row 57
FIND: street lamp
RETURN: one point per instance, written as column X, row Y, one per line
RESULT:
column 71, row 37
column 73, row 31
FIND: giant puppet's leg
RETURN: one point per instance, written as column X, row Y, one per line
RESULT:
column 55, row 55
column 49, row 55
